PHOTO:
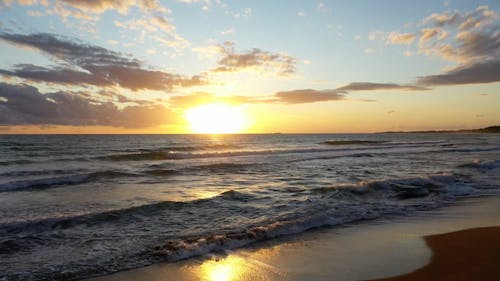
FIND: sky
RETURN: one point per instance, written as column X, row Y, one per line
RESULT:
column 288, row 66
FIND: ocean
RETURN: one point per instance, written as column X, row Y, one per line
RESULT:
column 76, row 206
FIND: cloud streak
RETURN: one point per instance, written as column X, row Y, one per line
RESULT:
column 307, row 96
column 477, row 73
column 369, row 86
column 92, row 65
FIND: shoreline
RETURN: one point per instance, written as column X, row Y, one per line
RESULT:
column 358, row 251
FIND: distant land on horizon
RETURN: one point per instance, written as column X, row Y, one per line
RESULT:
column 487, row 130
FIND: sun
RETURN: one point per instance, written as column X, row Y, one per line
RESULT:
column 216, row 118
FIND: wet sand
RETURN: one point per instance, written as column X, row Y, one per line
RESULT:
column 360, row 251
column 472, row 254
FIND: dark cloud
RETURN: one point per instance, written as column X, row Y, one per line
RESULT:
column 477, row 73
column 368, row 86
column 477, row 46
column 256, row 58
column 57, row 75
column 307, row 96
column 93, row 65
column 25, row 105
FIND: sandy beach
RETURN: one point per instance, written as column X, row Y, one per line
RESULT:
column 361, row 251
column 471, row 254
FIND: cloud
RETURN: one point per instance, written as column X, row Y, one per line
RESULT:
column 370, row 51
column 150, row 20
column 199, row 98
column 476, row 73
column 400, row 38
column 256, row 59
column 377, row 35
column 92, row 65
column 157, row 28
column 475, row 47
column 408, row 53
column 23, row 2
column 228, row 31
column 100, row 6
column 25, row 105
column 460, row 37
column 96, row 6
column 427, row 34
column 307, row 96
column 442, row 19
column 243, row 13
column 478, row 46
column 478, row 18
column 369, row 86
column 469, row 39
column 476, row 36
column 291, row 97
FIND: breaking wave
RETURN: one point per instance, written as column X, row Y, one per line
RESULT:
column 61, row 180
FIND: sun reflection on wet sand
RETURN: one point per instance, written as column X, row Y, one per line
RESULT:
column 226, row 269
column 251, row 265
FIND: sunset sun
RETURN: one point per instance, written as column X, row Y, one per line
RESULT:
column 216, row 118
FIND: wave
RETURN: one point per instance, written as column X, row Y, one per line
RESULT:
column 162, row 172
column 406, row 188
column 142, row 156
column 15, row 162
column 197, row 246
column 196, row 147
column 331, row 206
column 471, row 149
column 482, row 165
column 62, row 180
column 44, row 182
column 349, row 142
column 391, row 189
column 117, row 214
column 38, row 172
column 73, row 179
column 173, row 155
column 447, row 186
column 164, row 152
column 224, row 166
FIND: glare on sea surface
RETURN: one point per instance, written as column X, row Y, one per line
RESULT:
column 216, row 118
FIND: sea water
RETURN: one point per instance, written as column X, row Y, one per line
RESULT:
column 75, row 206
